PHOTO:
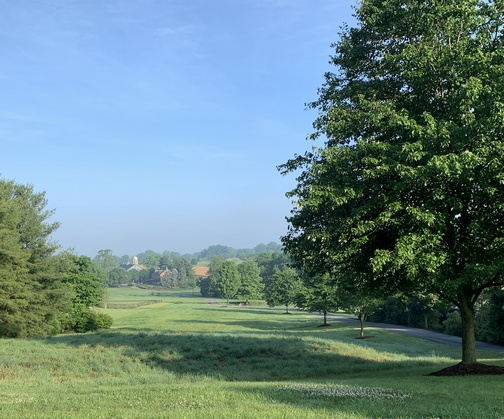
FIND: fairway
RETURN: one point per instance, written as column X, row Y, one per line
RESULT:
column 184, row 356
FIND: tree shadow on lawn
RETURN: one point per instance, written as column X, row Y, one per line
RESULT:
column 238, row 357
column 273, row 326
column 241, row 310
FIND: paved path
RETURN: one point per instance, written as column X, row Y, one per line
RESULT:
column 422, row 334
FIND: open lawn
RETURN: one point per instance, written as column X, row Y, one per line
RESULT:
column 187, row 357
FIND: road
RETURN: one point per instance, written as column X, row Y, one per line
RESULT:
column 422, row 334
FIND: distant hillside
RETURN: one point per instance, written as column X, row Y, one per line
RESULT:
column 230, row 252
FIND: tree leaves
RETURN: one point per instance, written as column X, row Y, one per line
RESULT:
column 407, row 192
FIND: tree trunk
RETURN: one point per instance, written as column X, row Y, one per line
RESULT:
column 286, row 309
column 362, row 319
column 325, row 318
column 468, row 330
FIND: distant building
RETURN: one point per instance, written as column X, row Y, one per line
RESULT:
column 158, row 275
column 133, row 266
column 201, row 270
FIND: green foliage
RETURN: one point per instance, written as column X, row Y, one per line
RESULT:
column 426, row 312
column 87, row 287
column 229, row 252
column 229, row 280
column 251, row 286
column 284, row 288
column 360, row 302
column 117, row 276
column 492, row 323
column 415, row 311
column 407, row 193
column 453, row 324
column 152, row 260
column 106, row 259
column 208, row 286
column 318, row 294
column 85, row 320
column 32, row 293
column 87, row 291
column 393, row 310
column 269, row 262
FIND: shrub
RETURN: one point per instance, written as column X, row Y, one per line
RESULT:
column 82, row 319
column 453, row 324
column 104, row 321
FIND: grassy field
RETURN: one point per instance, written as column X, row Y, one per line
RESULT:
column 187, row 357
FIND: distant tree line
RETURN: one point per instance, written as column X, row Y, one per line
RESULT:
column 180, row 274
column 229, row 252
column 114, row 270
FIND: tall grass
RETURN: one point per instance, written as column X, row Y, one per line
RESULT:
column 187, row 358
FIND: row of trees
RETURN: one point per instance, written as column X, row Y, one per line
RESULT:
column 230, row 252
column 42, row 292
column 269, row 276
column 152, row 259
column 248, row 279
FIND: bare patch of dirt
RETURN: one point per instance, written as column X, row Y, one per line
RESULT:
column 469, row 369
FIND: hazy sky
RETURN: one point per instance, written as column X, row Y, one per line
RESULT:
column 158, row 124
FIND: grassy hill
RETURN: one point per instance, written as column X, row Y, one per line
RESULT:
column 183, row 357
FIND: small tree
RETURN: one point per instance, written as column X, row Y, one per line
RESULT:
column 319, row 294
column 283, row 289
column 360, row 302
column 251, row 286
column 208, row 285
column 229, row 280
column 88, row 292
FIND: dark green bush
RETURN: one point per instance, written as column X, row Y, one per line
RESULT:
column 453, row 324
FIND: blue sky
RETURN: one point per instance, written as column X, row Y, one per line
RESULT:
column 158, row 124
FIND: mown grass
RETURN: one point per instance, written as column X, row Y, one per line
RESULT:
column 187, row 358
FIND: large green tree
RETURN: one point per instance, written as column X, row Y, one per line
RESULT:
column 407, row 192
column 32, row 292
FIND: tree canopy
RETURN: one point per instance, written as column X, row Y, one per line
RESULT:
column 32, row 293
column 284, row 288
column 407, row 191
column 251, row 285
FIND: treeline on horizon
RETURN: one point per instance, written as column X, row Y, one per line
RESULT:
column 168, row 269
column 206, row 254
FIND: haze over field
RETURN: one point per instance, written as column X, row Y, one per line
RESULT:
column 159, row 124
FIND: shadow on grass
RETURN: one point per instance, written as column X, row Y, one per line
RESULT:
column 241, row 310
column 238, row 357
